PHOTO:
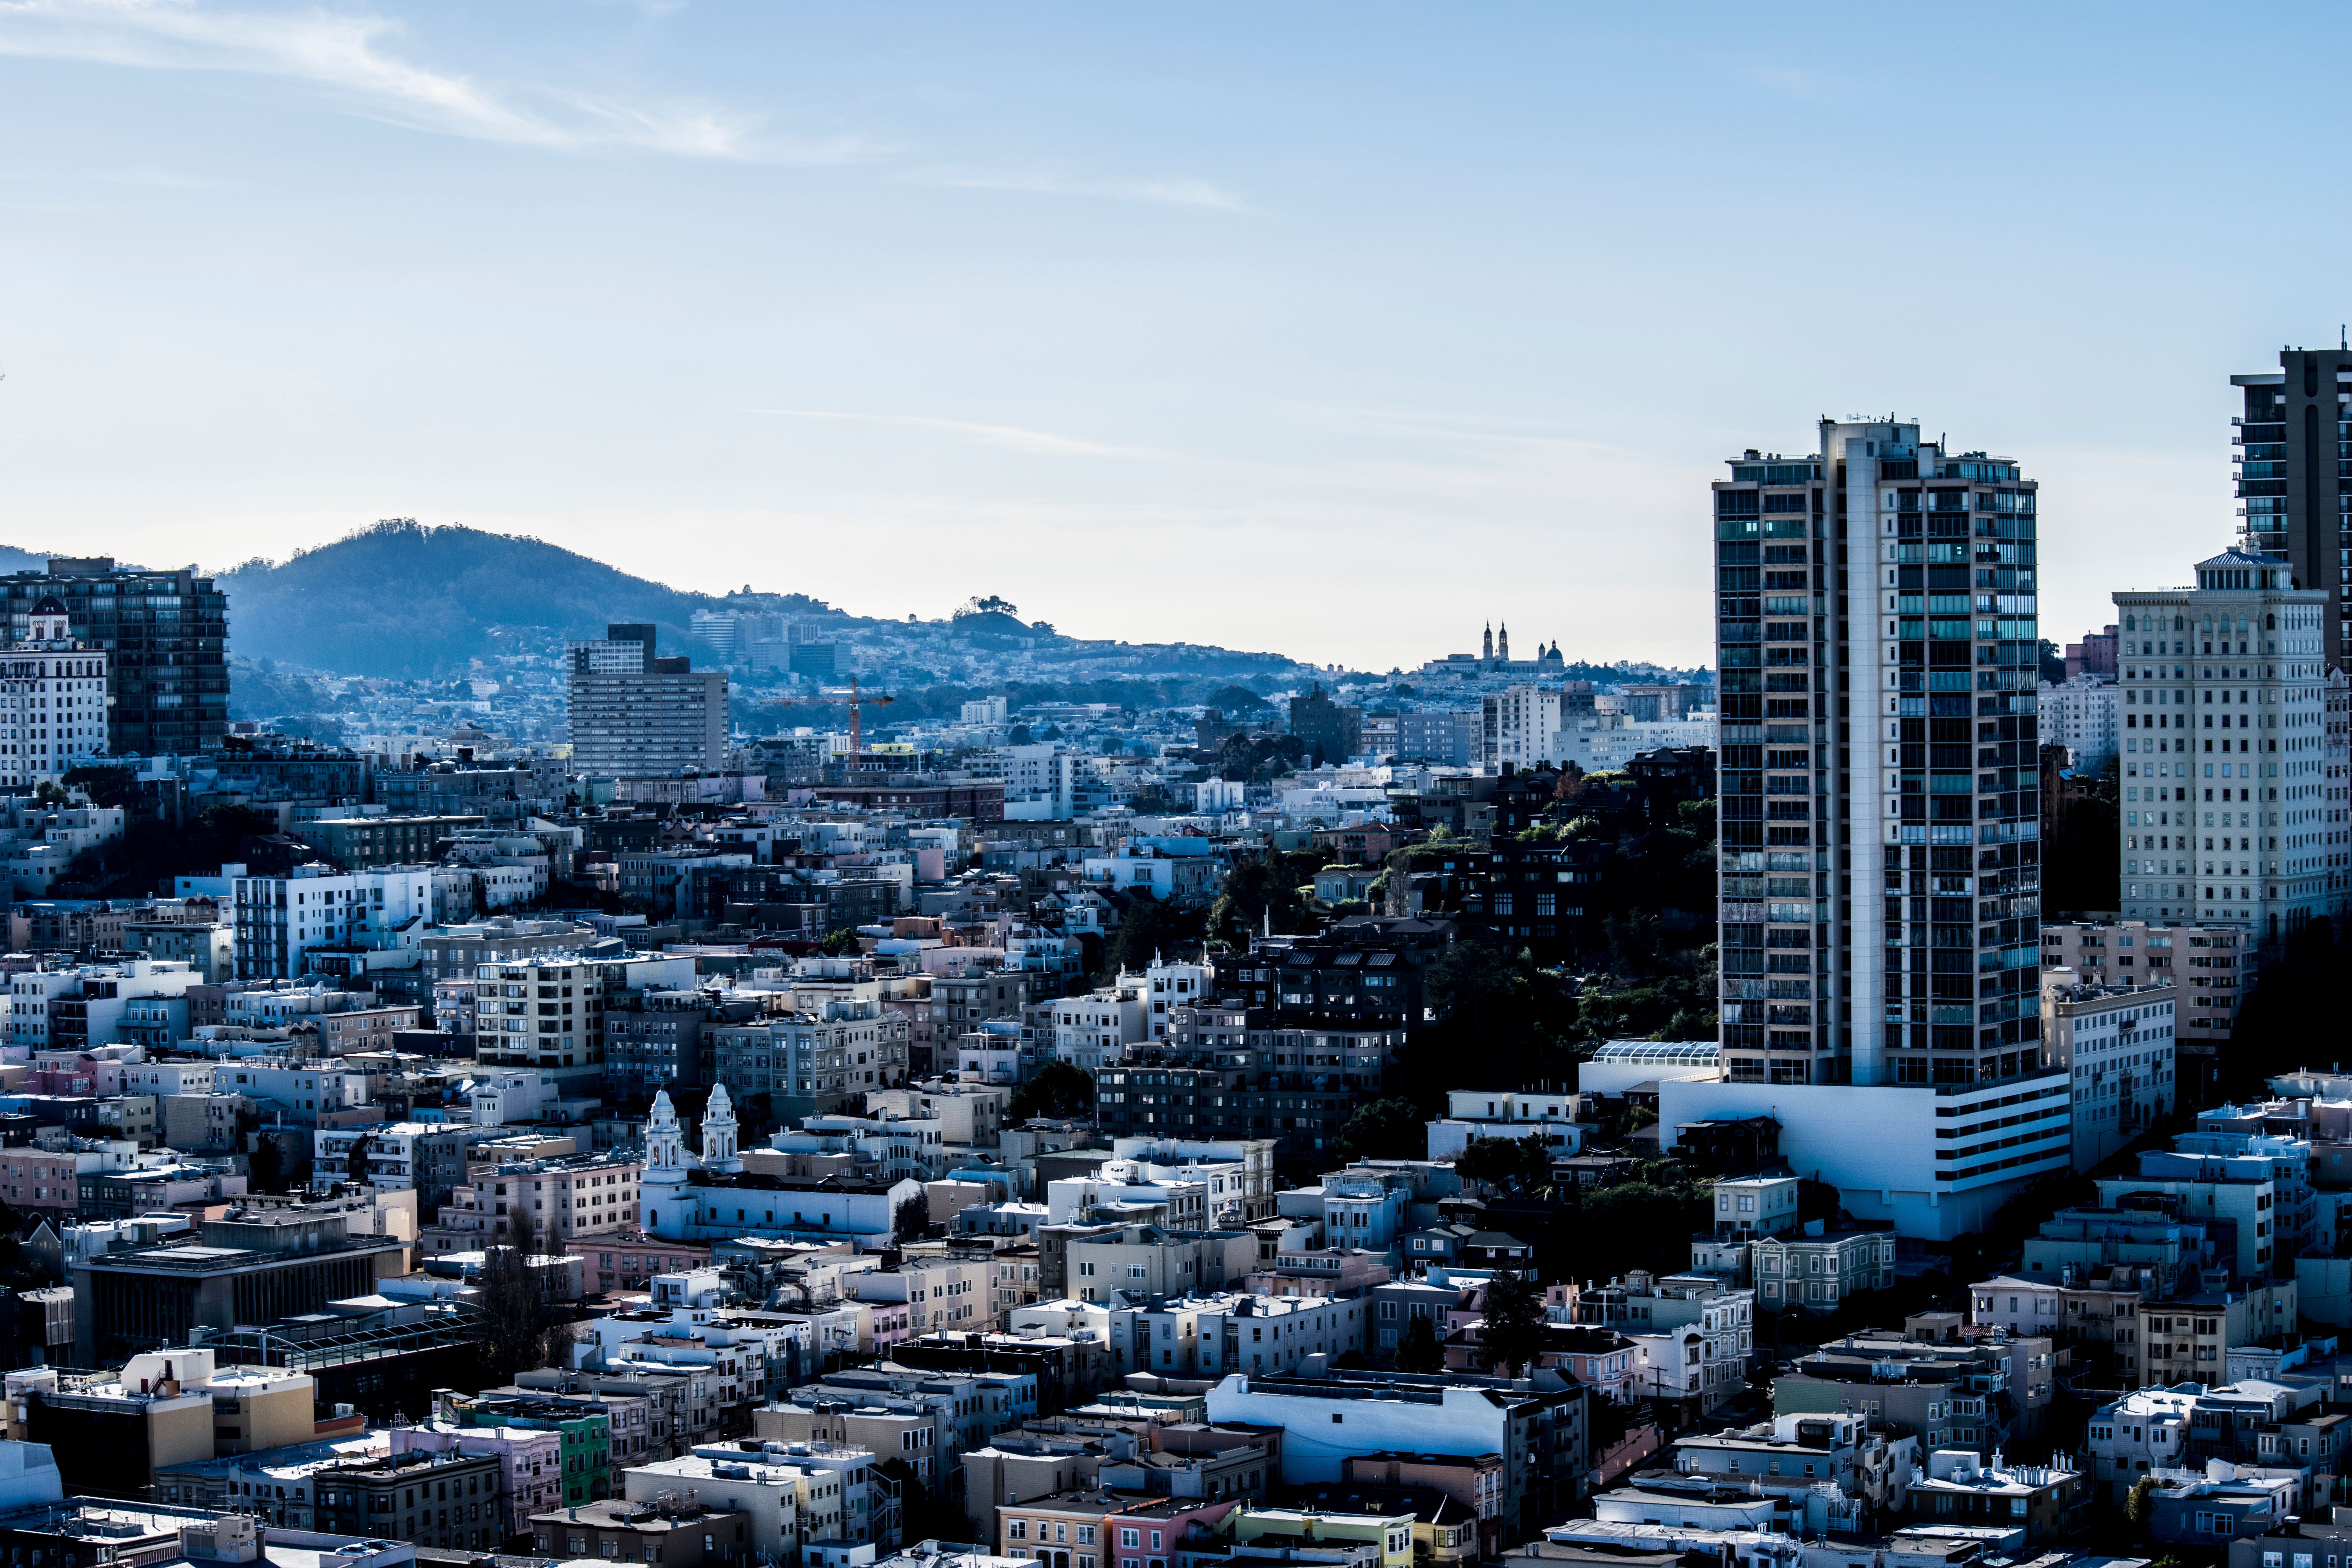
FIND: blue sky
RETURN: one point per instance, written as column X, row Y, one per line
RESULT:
column 1334, row 330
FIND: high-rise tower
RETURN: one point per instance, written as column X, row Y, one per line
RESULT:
column 1880, row 863
column 2294, row 475
column 2227, row 818
column 164, row 634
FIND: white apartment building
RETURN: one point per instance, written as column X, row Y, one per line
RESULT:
column 774, row 1499
column 2146, row 1430
column 1041, row 782
column 169, row 1077
column 1239, row 1172
column 282, row 921
column 299, row 1087
column 969, row 1115
column 1749, row 1206
column 52, row 700
column 1355, row 1419
column 38, row 842
column 1605, row 742
column 1519, row 725
column 2117, row 1044
column 1092, row 1029
column 1173, row 985
column 1186, row 1201
column 90, row 1005
column 1501, row 1113
column 896, row 1145
column 987, row 710
column 546, row 1014
column 2084, row 715
column 940, row 1294
column 2225, row 809
column 1692, row 1334
column 581, row 1195
column 1208, row 1336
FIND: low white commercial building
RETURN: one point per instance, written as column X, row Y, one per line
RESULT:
column 1937, row 1160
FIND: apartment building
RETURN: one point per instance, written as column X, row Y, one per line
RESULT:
column 1519, row 726
column 2226, row 748
column 53, row 698
column 812, row 1062
column 163, row 638
column 634, row 715
column 572, row 1196
column 1819, row 1272
column 457, row 951
column 1539, row 1431
column 2291, row 484
column 282, row 922
column 2083, row 714
column 2117, row 1044
column 545, row 1013
column 2211, row 968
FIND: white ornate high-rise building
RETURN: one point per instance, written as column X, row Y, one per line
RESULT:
column 2227, row 817
column 52, row 700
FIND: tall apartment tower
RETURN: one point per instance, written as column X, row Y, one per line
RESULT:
column 634, row 715
column 2295, row 476
column 2227, row 817
column 1880, row 865
column 165, row 637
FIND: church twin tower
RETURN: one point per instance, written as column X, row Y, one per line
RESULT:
column 664, row 1185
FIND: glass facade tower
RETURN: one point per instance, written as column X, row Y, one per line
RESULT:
column 1880, row 869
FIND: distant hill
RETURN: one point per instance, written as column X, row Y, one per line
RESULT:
column 13, row 558
column 404, row 600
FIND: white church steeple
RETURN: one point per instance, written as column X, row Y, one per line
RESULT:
column 718, row 1133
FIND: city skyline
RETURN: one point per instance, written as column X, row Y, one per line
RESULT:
column 1075, row 289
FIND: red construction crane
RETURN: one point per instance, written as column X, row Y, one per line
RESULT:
column 859, row 703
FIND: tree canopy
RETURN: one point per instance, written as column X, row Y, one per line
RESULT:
column 1058, row 1089
column 1513, row 1331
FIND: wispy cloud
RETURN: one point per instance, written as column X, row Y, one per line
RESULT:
column 350, row 58
column 1787, row 80
column 354, row 59
column 1170, row 192
column 1012, row 436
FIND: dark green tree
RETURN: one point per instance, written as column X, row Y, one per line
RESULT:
column 1148, row 929
column 1389, row 1128
column 1419, row 1350
column 1514, row 1164
column 1059, row 1090
column 520, row 1333
column 266, row 1166
column 1512, row 1333
column 841, row 944
column 912, row 1220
